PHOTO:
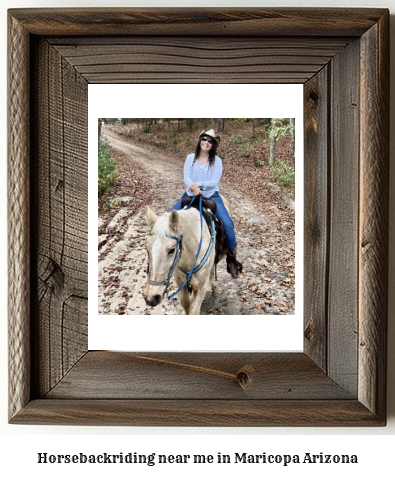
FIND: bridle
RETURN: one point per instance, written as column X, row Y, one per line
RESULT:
column 177, row 256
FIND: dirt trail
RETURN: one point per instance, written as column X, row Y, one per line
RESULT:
column 263, row 288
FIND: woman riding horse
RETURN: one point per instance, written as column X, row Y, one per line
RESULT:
column 202, row 173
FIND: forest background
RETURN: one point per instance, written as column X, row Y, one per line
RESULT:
column 140, row 163
column 254, row 151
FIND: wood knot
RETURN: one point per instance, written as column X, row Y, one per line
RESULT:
column 366, row 245
column 59, row 185
column 244, row 376
column 54, row 276
column 313, row 96
column 309, row 331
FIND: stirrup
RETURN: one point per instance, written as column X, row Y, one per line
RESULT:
column 231, row 258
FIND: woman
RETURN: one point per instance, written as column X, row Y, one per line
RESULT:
column 202, row 173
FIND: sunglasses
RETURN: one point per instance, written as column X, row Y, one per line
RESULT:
column 204, row 138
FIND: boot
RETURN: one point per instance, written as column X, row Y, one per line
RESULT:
column 233, row 266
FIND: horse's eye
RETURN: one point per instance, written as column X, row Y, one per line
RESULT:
column 171, row 251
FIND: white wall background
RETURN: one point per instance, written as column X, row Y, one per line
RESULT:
column 20, row 444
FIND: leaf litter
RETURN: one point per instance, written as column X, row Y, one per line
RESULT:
column 262, row 212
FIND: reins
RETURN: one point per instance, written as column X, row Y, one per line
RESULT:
column 194, row 268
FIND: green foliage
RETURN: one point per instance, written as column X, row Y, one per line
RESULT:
column 242, row 144
column 107, row 173
column 284, row 174
column 236, row 140
column 258, row 161
column 280, row 128
column 113, row 203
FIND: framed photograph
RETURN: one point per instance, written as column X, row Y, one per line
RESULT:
column 341, row 59
column 267, row 212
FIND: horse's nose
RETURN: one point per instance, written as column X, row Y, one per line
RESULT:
column 152, row 300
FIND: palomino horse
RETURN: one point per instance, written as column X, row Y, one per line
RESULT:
column 172, row 247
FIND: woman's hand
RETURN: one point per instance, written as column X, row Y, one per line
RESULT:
column 195, row 189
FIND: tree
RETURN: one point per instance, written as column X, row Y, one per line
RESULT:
column 99, row 124
column 292, row 125
column 272, row 154
column 190, row 124
column 148, row 122
column 279, row 128
column 221, row 125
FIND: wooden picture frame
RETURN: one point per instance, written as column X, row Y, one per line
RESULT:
column 342, row 58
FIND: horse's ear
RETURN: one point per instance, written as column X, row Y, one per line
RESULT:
column 174, row 220
column 150, row 217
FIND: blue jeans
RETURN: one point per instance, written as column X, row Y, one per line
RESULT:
column 221, row 213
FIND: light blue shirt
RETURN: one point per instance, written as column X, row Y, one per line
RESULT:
column 207, row 177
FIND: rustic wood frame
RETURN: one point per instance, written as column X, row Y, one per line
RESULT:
column 340, row 378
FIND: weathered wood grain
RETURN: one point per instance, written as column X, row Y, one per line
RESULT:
column 224, row 60
column 348, row 157
column 201, row 413
column 61, row 205
column 18, row 214
column 204, row 375
column 373, row 227
column 304, row 22
column 343, row 222
column 316, row 214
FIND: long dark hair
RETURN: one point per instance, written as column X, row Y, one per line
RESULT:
column 211, row 154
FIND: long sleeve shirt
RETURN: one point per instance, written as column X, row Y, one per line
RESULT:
column 207, row 177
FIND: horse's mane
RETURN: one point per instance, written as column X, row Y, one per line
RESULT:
column 161, row 226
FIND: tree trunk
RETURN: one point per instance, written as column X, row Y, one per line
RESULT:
column 190, row 124
column 272, row 149
column 292, row 123
column 221, row 125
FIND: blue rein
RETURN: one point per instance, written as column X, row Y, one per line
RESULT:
column 189, row 274
column 176, row 257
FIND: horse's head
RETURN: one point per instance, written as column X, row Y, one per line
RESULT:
column 162, row 251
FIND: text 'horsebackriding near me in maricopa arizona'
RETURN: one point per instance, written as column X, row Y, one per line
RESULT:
column 188, row 242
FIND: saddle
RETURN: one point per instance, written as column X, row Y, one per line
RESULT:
column 207, row 203
column 209, row 208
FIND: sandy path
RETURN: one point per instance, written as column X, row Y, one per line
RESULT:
column 122, row 255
